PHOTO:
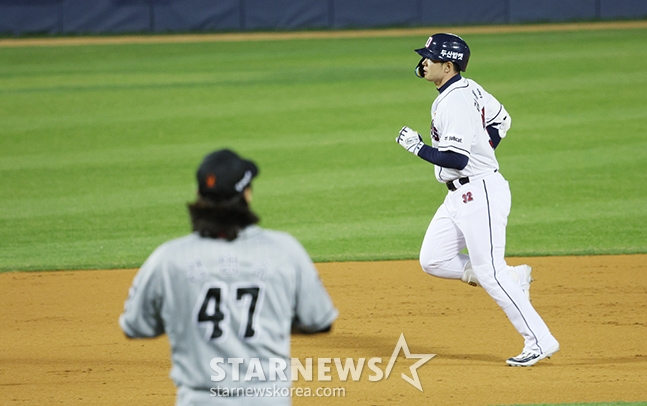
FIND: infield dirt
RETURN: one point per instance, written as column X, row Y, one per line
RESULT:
column 61, row 343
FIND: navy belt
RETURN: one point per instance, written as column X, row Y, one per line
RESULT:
column 451, row 185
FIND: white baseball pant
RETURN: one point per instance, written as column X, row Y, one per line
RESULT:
column 475, row 217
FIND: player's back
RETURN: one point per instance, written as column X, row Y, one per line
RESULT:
column 223, row 301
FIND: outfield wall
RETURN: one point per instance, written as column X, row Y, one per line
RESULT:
column 24, row 17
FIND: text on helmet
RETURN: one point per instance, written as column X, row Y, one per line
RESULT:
column 451, row 54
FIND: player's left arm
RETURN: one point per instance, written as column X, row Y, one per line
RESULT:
column 497, row 120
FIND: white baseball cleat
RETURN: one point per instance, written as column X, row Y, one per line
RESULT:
column 529, row 358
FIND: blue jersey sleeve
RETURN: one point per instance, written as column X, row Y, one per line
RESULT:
column 495, row 138
column 446, row 159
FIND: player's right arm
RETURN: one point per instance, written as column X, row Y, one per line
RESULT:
column 446, row 159
column 412, row 142
column 142, row 311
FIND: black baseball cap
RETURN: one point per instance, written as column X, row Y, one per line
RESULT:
column 223, row 175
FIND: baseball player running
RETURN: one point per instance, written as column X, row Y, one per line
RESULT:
column 467, row 124
column 228, row 295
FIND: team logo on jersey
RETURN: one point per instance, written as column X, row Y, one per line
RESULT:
column 434, row 134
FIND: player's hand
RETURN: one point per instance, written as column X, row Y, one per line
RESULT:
column 410, row 140
column 504, row 125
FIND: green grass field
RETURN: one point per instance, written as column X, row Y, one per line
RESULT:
column 99, row 144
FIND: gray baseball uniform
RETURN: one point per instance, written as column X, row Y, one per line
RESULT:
column 220, row 301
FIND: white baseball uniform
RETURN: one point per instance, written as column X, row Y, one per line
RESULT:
column 475, row 214
column 217, row 299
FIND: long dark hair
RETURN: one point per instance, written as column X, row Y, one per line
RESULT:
column 221, row 219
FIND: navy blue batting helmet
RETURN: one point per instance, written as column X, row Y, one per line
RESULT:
column 445, row 47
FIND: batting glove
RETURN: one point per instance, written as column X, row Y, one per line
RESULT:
column 410, row 140
column 504, row 125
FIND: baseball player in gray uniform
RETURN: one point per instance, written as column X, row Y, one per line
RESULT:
column 467, row 124
column 228, row 295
